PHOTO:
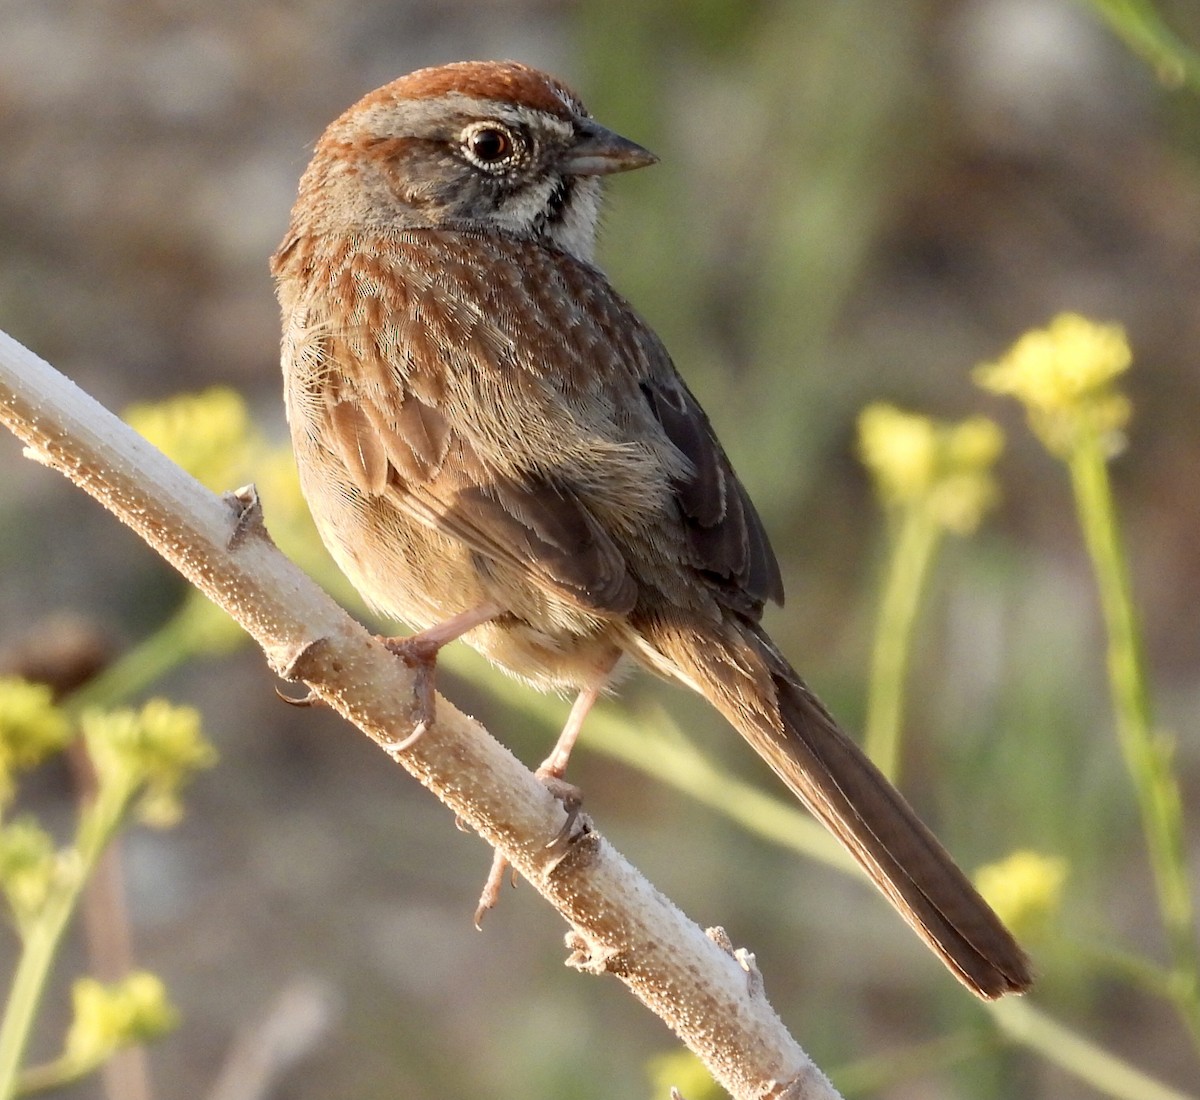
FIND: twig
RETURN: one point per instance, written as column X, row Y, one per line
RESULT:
column 295, row 1023
column 620, row 924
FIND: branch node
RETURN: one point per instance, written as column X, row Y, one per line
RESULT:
column 38, row 454
column 248, row 515
column 809, row 1082
column 721, row 938
column 754, row 979
column 297, row 662
column 589, row 957
column 745, row 959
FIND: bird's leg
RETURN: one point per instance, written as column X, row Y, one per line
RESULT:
column 554, row 767
column 419, row 651
column 550, row 772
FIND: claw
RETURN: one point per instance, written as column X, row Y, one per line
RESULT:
column 309, row 699
column 571, row 798
column 416, row 735
column 419, row 652
column 491, row 889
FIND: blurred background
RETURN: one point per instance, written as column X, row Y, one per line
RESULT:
column 855, row 202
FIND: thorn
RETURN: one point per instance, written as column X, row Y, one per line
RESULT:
column 745, row 959
column 754, row 979
column 592, row 959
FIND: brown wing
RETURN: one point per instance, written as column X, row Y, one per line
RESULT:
column 723, row 526
column 395, row 444
column 519, row 460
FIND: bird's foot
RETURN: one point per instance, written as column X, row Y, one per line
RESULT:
column 419, row 652
column 571, row 798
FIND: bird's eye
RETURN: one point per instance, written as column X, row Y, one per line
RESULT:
column 489, row 145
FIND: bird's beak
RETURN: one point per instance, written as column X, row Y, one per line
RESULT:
column 599, row 152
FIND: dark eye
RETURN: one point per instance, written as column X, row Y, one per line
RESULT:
column 489, row 145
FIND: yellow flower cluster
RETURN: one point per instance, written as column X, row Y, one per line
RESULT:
column 209, row 434
column 1065, row 376
column 1025, row 889
column 28, row 869
column 212, row 436
column 108, row 1017
column 31, row 728
column 154, row 751
column 918, row 462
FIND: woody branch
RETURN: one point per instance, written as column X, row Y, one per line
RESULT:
column 619, row 923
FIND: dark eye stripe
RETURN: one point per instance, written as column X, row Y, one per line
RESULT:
column 558, row 200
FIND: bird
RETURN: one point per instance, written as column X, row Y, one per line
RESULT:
column 495, row 446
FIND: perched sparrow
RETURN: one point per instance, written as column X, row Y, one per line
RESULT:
column 495, row 445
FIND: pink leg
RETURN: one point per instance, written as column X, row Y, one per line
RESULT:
column 551, row 774
column 555, row 765
column 419, row 651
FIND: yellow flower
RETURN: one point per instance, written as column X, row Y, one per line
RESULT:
column 898, row 449
column 108, row 1017
column 1025, row 889
column 943, row 468
column 209, row 434
column 681, row 1070
column 1065, row 376
column 151, row 752
column 31, row 728
column 28, row 866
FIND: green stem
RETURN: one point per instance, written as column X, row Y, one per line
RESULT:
column 37, row 955
column 679, row 763
column 873, row 1076
column 1147, row 34
column 1147, row 757
column 97, row 825
column 912, row 554
column 655, row 746
column 146, row 663
column 56, row 1075
column 1032, row 1028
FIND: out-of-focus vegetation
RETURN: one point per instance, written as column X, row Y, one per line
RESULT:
column 133, row 765
column 857, row 203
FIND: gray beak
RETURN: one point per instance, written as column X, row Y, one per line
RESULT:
column 599, row 152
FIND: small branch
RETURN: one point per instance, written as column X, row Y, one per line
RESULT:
column 298, row 1019
column 620, row 924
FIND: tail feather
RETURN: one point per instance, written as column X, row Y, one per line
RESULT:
column 741, row 672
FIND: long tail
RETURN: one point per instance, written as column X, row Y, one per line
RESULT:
column 738, row 669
